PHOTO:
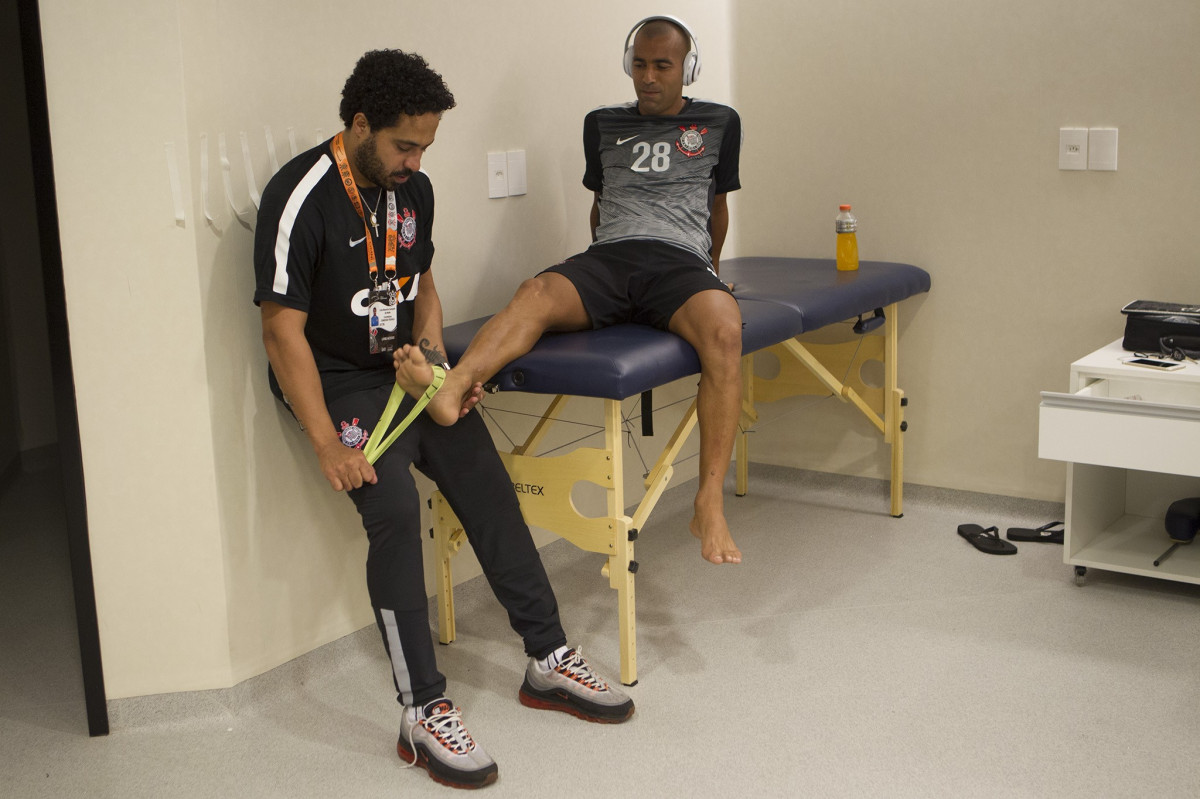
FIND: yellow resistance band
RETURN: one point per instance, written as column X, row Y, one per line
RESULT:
column 376, row 444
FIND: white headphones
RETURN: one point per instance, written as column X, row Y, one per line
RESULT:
column 691, row 62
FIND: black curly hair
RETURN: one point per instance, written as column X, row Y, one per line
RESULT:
column 388, row 83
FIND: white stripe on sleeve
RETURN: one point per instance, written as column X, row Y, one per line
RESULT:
column 283, row 239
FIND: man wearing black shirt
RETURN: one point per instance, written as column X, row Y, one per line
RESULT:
column 342, row 254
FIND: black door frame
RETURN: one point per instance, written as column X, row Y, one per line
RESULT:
column 66, row 411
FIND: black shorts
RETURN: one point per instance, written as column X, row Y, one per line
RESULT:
column 637, row 280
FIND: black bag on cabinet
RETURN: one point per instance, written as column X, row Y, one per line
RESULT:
column 1168, row 328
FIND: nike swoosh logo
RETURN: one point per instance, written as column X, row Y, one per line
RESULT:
column 627, row 138
column 356, row 242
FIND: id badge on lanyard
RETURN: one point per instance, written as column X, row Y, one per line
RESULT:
column 382, row 311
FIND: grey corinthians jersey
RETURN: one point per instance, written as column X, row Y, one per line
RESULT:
column 657, row 175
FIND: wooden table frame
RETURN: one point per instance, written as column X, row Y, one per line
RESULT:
column 805, row 369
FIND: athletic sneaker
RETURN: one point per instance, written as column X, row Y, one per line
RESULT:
column 434, row 738
column 564, row 681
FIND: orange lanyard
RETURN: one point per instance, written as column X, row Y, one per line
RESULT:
column 389, row 266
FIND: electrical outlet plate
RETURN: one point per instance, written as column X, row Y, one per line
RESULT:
column 497, row 175
column 1072, row 148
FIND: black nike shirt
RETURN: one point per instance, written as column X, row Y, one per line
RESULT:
column 310, row 254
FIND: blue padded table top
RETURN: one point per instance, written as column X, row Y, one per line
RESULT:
column 818, row 291
column 779, row 298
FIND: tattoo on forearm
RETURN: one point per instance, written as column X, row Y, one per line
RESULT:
column 432, row 353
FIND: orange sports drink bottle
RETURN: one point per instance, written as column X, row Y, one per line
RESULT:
column 847, row 242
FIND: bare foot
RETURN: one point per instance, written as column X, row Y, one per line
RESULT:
column 454, row 399
column 716, row 544
column 414, row 374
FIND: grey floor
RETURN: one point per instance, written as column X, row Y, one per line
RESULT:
column 852, row 654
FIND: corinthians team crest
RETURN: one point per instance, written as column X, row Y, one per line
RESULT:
column 408, row 229
column 352, row 435
column 691, row 141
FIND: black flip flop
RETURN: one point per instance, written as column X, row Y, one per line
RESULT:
column 1044, row 533
column 986, row 540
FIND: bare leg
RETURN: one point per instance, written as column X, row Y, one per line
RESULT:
column 546, row 302
column 711, row 322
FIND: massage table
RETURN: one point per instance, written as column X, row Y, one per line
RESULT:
column 779, row 298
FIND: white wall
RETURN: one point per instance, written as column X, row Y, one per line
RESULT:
column 938, row 120
column 115, row 94
column 218, row 548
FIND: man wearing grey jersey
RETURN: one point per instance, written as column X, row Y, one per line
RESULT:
column 660, row 169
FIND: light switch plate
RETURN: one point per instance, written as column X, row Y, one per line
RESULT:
column 1102, row 149
column 516, row 172
column 1072, row 148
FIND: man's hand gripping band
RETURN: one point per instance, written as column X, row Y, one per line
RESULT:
column 376, row 444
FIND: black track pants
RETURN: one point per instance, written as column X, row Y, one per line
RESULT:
column 462, row 460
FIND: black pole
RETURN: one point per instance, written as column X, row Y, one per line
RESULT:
column 70, row 455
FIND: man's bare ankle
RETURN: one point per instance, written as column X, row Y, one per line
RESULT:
column 708, row 515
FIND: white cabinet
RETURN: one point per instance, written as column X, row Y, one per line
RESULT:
column 1131, row 438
